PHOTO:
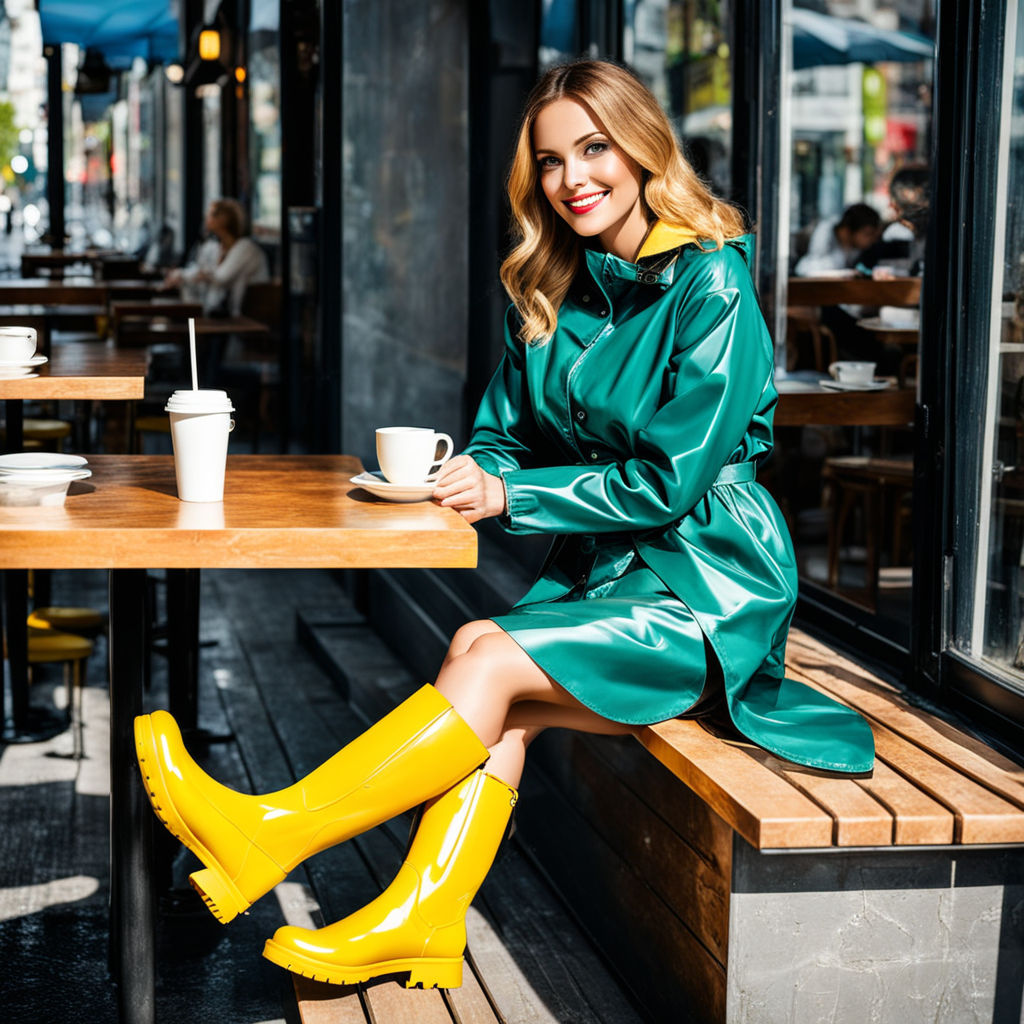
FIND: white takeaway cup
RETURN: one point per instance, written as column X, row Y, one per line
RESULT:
column 17, row 344
column 409, row 455
column 200, row 424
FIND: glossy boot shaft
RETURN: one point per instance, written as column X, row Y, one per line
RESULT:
column 418, row 924
column 249, row 843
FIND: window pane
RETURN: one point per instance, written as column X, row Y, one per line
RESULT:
column 993, row 631
column 681, row 50
column 856, row 124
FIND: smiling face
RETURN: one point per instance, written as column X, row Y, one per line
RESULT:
column 589, row 181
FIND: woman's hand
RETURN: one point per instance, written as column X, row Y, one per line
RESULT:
column 464, row 486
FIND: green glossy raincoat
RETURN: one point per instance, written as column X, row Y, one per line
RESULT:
column 632, row 435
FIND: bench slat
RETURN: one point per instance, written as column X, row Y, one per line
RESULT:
column 320, row 1003
column 765, row 809
column 858, row 688
column 918, row 819
column 858, row 819
column 981, row 816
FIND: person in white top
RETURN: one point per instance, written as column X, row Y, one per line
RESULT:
column 225, row 263
column 836, row 242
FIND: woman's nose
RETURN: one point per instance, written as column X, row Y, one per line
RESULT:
column 574, row 174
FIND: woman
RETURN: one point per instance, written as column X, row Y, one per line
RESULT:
column 226, row 263
column 633, row 399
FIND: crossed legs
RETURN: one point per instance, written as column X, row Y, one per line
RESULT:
column 507, row 699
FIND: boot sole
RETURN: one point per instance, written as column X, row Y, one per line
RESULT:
column 423, row 971
column 219, row 893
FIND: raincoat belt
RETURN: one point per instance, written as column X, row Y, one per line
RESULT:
column 736, row 473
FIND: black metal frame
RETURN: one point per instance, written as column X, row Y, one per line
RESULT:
column 956, row 306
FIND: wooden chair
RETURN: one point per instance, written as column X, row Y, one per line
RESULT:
column 883, row 486
column 49, row 646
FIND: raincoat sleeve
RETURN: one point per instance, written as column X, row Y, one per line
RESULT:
column 721, row 363
column 505, row 434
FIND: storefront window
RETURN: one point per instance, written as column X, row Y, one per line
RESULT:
column 854, row 184
column 990, row 626
column 265, row 119
column 681, row 50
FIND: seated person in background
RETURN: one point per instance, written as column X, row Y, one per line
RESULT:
column 837, row 242
column 900, row 251
column 224, row 265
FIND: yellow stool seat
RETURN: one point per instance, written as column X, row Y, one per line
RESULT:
column 45, row 429
column 47, row 645
column 70, row 620
column 158, row 424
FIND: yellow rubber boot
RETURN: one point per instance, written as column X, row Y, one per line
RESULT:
column 418, row 924
column 249, row 843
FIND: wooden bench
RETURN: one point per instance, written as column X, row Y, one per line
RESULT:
column 728, row 885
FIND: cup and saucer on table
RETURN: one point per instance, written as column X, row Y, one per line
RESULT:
column 409, row 460
column 18, row 352
column 853, row 375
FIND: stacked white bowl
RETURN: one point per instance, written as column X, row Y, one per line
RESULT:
column 39, row 478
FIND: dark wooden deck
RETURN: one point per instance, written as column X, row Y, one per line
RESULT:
column 529, row 961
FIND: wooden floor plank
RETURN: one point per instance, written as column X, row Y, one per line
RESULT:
column 980, row 815
column 858, row 819
column 765, row 809
column 918, row 820
column 320, row 1003
column 849, row 682
column 469, row 1003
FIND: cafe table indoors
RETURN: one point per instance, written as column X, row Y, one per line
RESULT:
column 278, row 512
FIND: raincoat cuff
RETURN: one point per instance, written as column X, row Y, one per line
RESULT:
column 519, row 503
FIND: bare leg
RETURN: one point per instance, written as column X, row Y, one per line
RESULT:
column 487, row 672
column 527, row 720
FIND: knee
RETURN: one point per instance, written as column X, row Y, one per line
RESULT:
column 465, row 636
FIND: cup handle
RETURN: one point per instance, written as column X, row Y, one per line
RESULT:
column 833, row 371
column 449, row 447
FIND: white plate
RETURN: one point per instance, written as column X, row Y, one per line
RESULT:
column 835, row 385
column 381, row 488
column 41, row 477
column 40, row 460
column 36, row 360
column 19, row 374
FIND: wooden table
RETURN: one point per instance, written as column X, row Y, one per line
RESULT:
column 75, row 372
column 813, row 404
column 853, row 291
column 278, row 512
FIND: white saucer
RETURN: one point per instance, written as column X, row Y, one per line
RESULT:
column 34, row 477
column 36, row 360
column 835, row 385
column 20, row 374
column 40, row 460
column 381, row 488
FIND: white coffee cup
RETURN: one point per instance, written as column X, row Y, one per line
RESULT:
column 850, row 371
column 408, row 455
column 200, row 424
column 17, row 344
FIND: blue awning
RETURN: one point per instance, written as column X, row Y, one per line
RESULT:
column 120, row 29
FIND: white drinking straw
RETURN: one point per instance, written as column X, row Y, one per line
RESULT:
column 192, row 349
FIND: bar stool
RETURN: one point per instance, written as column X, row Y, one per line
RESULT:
column 48, row 646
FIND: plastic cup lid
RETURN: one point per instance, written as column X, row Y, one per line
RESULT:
column 203, row 400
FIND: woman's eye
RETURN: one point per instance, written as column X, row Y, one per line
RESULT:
column 547, row 162
column 596, row 148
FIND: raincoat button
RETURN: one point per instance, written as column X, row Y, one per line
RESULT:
column 593, row 455
column 581, row 415
column 602, row 312
column 585, row 298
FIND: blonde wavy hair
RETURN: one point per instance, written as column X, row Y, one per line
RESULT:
column 546, row 253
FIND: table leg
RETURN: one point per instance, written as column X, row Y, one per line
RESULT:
column 132, row 911
column 15, row 423
column 183, row 647
column 183, row 655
